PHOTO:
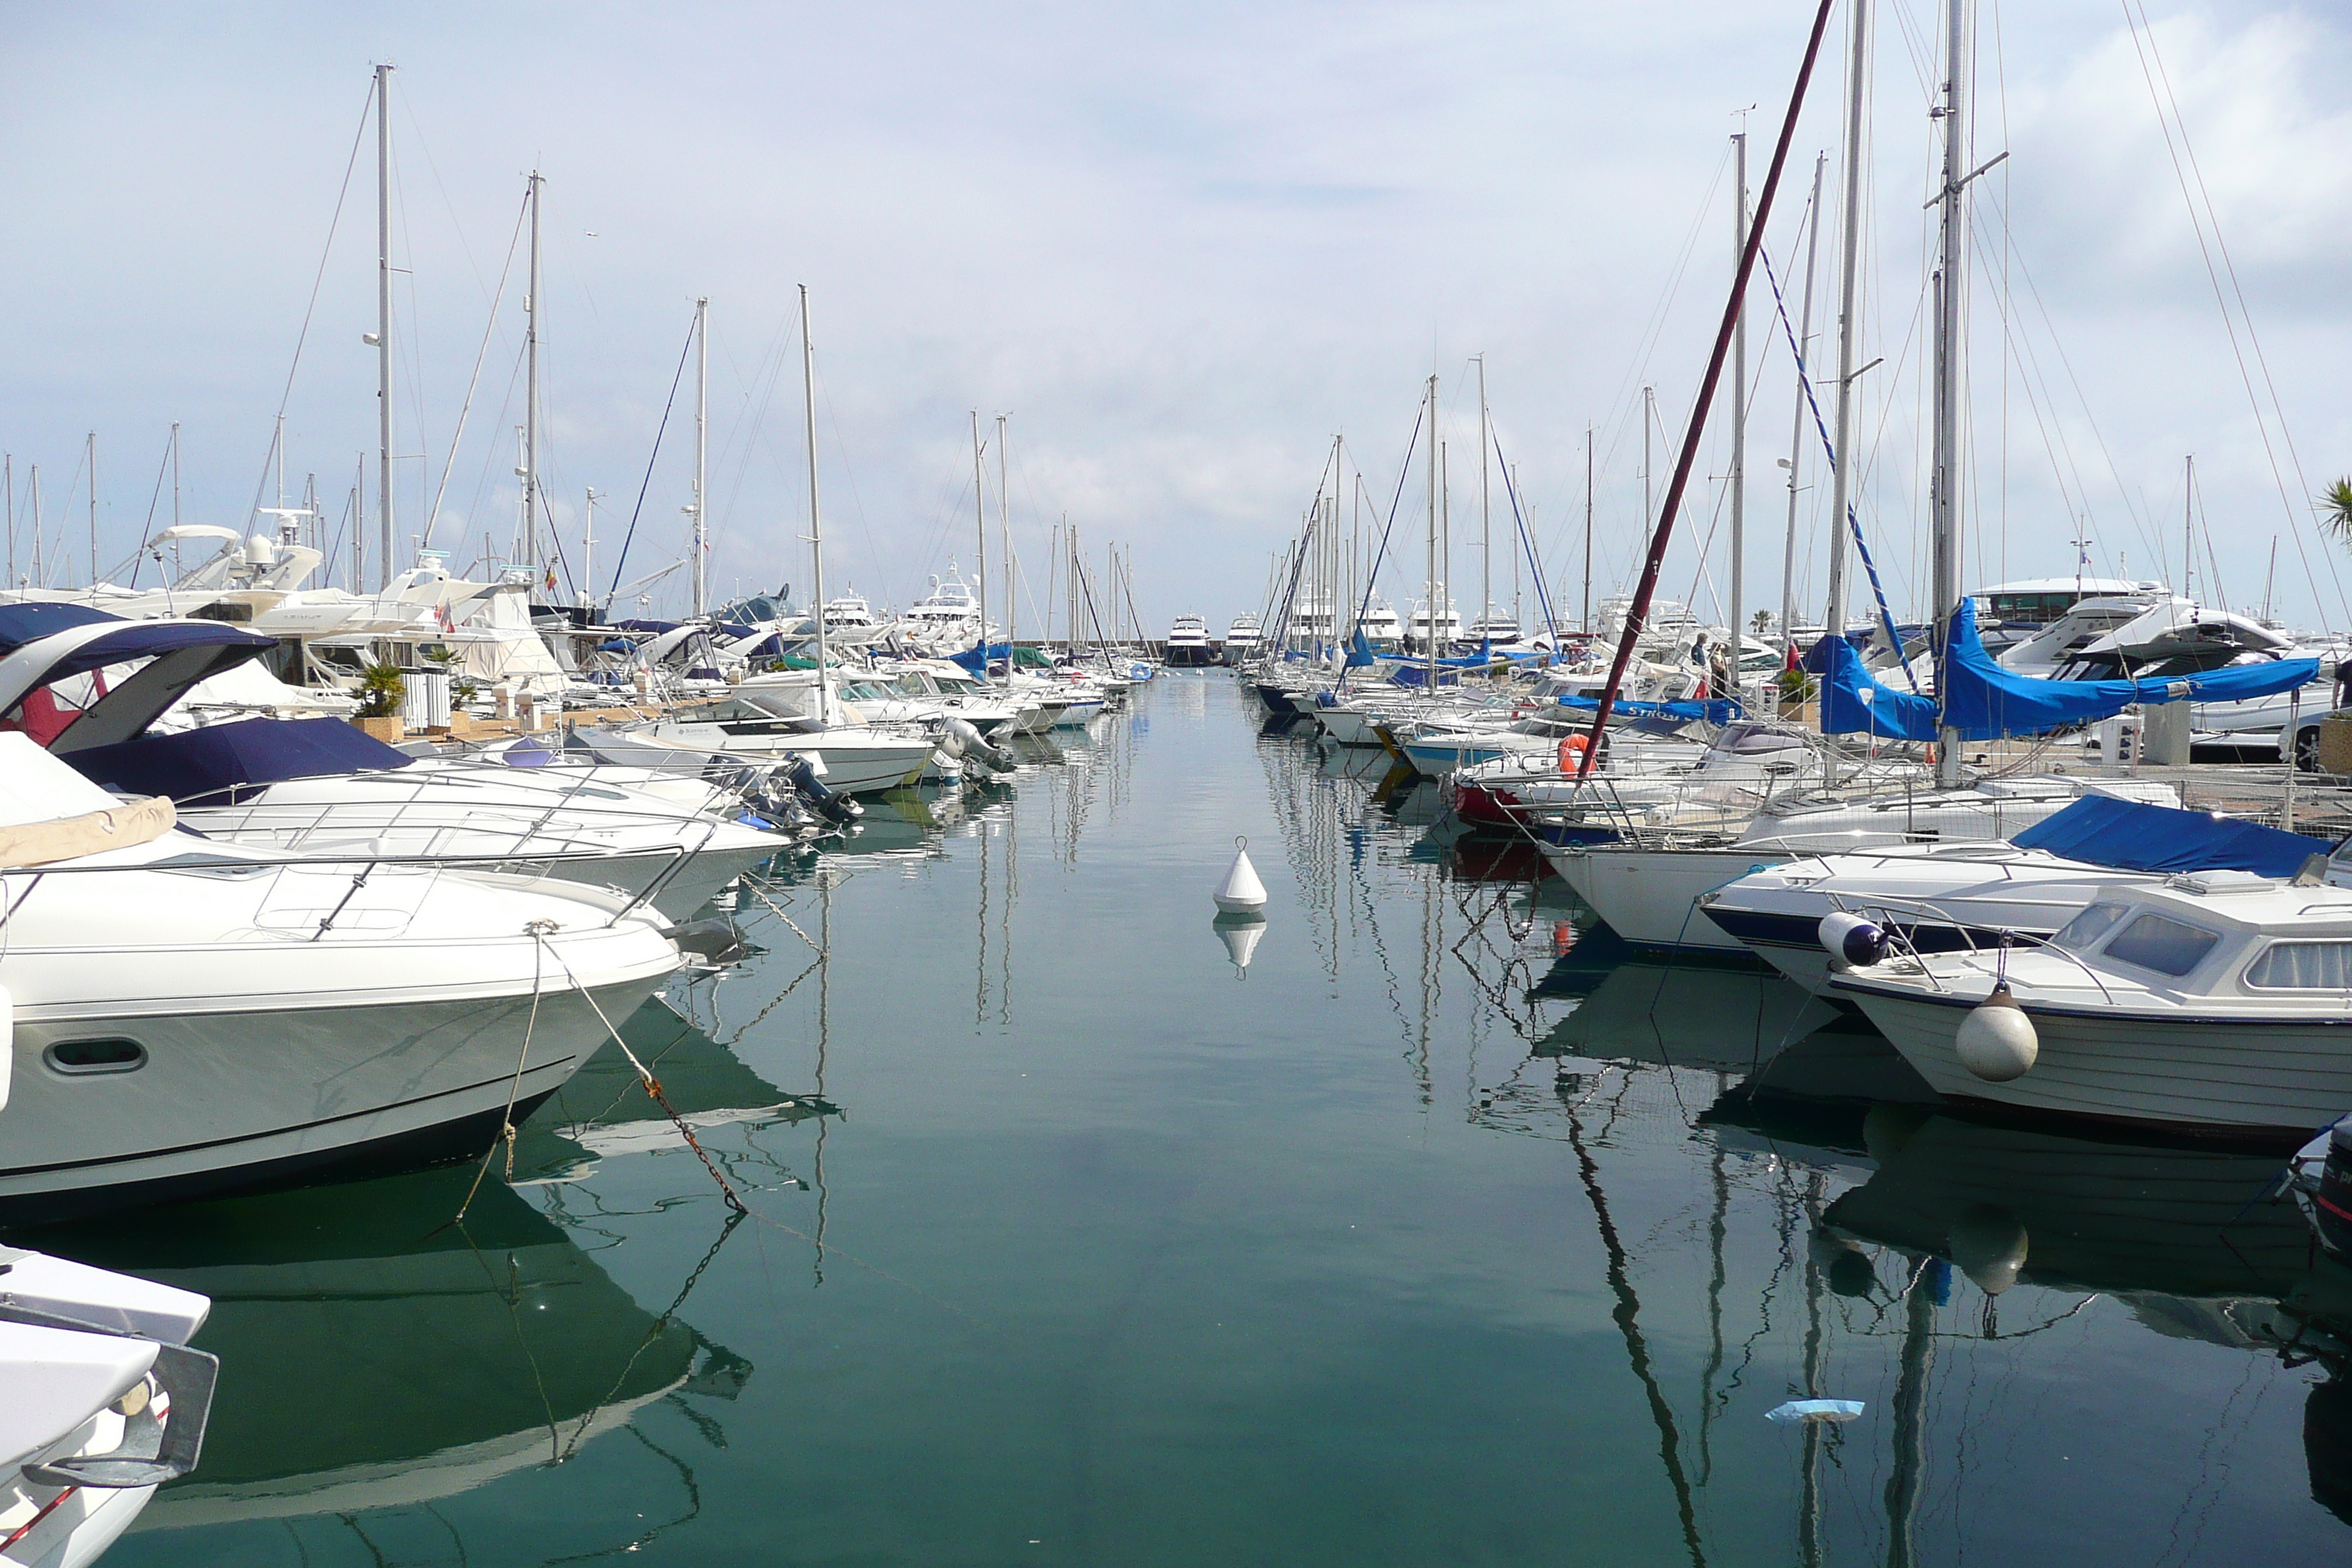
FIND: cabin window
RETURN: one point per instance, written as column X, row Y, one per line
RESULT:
column 2089, row 926
column 78, row 1059
column 2165, row 945
column 2303, row 966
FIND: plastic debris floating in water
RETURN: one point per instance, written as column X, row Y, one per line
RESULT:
column 1815, row 1410
column 1243, row 893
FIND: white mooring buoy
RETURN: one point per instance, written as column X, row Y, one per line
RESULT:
column 1240, row 934
column 1243, row 893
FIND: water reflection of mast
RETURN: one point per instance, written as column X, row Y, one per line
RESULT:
column 823, row 1039
column 1809, row 1513
column 1910, row 1413
column 1627, row 1314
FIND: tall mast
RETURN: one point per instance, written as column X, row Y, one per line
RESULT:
column 1951, row 294
column 1485, row 518
column 1857, row 94
column 1584, row 618
column 1736, row 606
column 2187, row 518
column 529, row 551
column 1005, row 531
column 1649, row 419
column 37, row 579
column 384, row 325
column 9, row 480
column 1429, row 589
column 816, row 529
column 359, row 520
column 93, row 509
column 980, row 525
column 588, row 550
column 1797, row 417
column 702, row 458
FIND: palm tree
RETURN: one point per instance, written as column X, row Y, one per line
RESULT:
column 2336, row 511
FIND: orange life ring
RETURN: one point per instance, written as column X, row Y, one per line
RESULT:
column 1571, row 750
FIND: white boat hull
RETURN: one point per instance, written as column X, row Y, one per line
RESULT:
column 1648, row 895
column 2268, row 1080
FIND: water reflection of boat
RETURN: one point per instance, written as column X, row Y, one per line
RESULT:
column 2078, row 1213
column 377, row 1356
column 605, row 1112
column 1726, row 1020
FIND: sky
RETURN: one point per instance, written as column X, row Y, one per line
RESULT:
column 1181, row 248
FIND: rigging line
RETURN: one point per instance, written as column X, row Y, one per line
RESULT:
column 489, row 327
column 651, row 457
column 317, row 278
column 2189, row 152
column 153, row 500
column 1372, row 575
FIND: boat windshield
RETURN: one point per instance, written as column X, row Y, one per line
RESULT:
column 2083, row 932
column 2163, row 944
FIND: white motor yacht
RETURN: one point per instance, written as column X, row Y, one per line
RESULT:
column 2214, row 1003
column 1244, row 637
column 320, row 788
column 946, row 620
column 191, row 1016
column 773, row 716
column 1188, row 644
column 105, row 1402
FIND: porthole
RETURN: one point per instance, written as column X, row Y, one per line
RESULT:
column 79, row 1058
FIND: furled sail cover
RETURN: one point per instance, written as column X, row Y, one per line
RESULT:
column 2100, row 830
column 1984, row 701
column 1712, row 709
column 1853, row 702
column 976, row 659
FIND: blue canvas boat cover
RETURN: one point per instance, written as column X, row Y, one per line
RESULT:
column 21, row 624
column 1714, row 710
column 975, row 660
column 1983, row 700
column 2130, row 837
column 221, row 765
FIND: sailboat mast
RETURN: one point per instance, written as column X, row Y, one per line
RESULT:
column 1735, row 607
column 701, row 457
column 1857, row 94
column 384, row 325
column 1951, row 292
column 1429, row 588
column 529, row 551
column 1485, row 518
column 817, row 528
column 1004, row 533
column 93, row 509
column 2187, row 518
column 980, row 525
column 1797, row 415
column 1584, row 618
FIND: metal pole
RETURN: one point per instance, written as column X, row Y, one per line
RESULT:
column 384, row 325
column 1486, row 542
column 817, row 528
column 1429, row 589
column 980, row 522
column 1951, row 295
column 93, row 512
column 1584, row 619
column 702, row 456
column 1736, row 606
column 1004, row 533
column 1797, row 417
column 528, row 549
column 1857, row 93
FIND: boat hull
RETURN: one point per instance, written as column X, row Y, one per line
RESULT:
column 2265, row 1082
column 1649, row 896
column 230, row 1098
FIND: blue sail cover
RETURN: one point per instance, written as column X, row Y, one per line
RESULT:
column 1715, row 710
column 224, row 763
column 1853, row 702
column 1984, row 701
column 975, row 657
column 1360, row 651
column 2130, row 837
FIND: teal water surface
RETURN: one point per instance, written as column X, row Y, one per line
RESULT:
column 1438, row 1235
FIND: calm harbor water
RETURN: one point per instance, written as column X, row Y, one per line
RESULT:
column 1438, row 1235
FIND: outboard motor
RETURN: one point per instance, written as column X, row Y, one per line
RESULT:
column 839, row 809
column 712, row 942
column 961, row 739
